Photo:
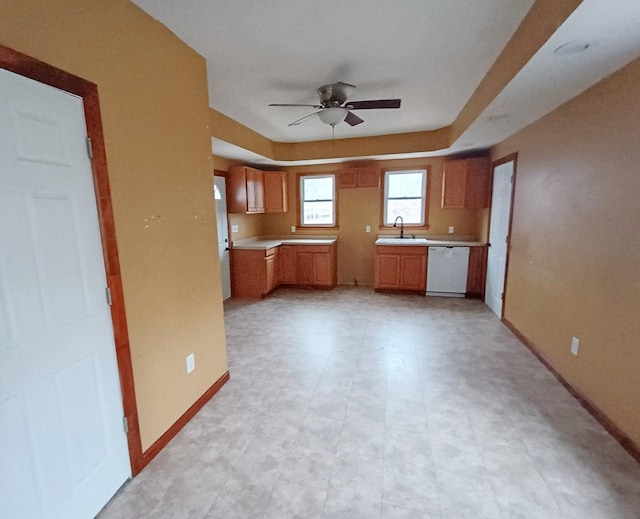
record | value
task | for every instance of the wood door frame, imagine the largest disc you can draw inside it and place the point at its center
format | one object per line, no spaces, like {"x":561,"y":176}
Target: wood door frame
{"x":225,"y":175}
{"x":512,"y":157}
{"x":32,"y":68}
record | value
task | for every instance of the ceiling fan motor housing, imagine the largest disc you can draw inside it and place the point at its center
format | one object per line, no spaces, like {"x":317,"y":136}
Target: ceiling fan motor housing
{"x":334,"y":94}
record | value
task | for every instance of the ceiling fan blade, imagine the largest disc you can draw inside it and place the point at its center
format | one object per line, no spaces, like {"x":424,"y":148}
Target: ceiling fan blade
{"x":287,"y":104}
{"x":374,"y":104}
{"x":352,"y":119}
{"x":303,"y":119}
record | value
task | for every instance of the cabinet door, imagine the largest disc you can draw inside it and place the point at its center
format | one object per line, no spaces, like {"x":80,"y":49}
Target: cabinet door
{"x":387,"y":273}
{"x":275,"y":191}
{"x":270,"y":268}
{"x":286,"y":265}
{"x":347,"y":179}
{"x":477,"y":272}
{"x":304,"y":268}
{"x":413,"y":272}
{"x":477,"y":183}
{"x":237,"y":190}
{"x":255,"y":195}
{"x":322,"y":269}
{"x":368,"y":177}
{"x":454,"y":178}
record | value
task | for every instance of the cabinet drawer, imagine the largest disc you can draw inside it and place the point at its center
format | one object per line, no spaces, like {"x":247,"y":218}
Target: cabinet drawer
{"x":312,"y":248}
{"x":404,"y":250}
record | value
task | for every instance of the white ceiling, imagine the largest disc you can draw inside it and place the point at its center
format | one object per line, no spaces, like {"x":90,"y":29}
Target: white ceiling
{"x":430,"y":53}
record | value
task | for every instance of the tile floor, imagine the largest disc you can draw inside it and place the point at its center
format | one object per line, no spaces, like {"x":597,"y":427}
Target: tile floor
{"x":351,"y":404}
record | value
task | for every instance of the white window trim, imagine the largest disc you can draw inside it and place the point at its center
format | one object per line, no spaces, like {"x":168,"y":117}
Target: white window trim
{"x":423,"y":209}
{"x":302,"y":200}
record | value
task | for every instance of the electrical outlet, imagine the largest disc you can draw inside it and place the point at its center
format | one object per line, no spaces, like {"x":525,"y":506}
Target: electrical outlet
{"x":293,"y":228}
{"x":367,"y":228}
{"x":234,"y":229}
{"x":191,"y":363}
{"x":451,"y":229}
{"x":575,"y":345}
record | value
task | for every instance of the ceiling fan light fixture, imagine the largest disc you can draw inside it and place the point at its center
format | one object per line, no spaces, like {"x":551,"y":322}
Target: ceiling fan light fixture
{"x":333,"y":115}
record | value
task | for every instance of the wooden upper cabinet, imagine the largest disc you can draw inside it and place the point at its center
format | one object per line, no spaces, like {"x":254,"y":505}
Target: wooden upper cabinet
{"x":478,"y":183}
{"x":245,"y":190}
{"x":454,"y":181}
{"x":465,"y":183}
{"x":275,"y":191}
{"x":358,"y":177}
{"x":255,"y":191}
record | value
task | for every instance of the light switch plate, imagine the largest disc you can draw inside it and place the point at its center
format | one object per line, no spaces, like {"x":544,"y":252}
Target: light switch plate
{"x":367,"y":228}
{"x":234,"y":229}
{"x":575,"y":345}
{"x":191,"y":363}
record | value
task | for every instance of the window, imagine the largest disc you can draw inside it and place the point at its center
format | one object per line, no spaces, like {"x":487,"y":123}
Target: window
{"x":405,"y":195}
{"x":317,"y":201}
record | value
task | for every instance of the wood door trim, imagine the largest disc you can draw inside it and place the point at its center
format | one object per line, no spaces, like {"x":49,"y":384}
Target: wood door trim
{"x":513,"y":157}
{"x":29,"y":67}
{"x":627,"y":443}
{"x":161,"y":442}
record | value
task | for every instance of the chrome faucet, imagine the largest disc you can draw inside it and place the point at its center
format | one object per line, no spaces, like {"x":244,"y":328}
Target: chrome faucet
{"x":395,"y":224}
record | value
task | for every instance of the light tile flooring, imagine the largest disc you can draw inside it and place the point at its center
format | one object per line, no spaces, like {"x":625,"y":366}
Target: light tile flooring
{"x":351,"y":404}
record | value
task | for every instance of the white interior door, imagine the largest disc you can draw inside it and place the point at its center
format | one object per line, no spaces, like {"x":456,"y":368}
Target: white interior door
{"x":63,"y":450}
{"x":498,"y":235}
{"x":220,"y":195}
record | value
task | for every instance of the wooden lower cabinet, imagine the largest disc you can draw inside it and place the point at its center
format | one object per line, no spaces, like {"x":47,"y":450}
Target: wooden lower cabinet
{"x":315,"y":265}
{"x":256,"y":272}
{"x":286,"y":265}
{"x":253,"y":272}
{"x":477,"y":273}
{"x":401,"y":268}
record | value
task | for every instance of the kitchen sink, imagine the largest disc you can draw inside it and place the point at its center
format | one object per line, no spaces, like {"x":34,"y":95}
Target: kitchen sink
{"x":396,"y":240}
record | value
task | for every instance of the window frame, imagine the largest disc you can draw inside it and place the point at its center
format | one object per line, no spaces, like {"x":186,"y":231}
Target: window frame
{"x":301,"y":201}
{"x":425,"y":196}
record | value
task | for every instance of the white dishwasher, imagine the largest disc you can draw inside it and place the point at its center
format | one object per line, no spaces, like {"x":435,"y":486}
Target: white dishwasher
{"x":447,"y":271}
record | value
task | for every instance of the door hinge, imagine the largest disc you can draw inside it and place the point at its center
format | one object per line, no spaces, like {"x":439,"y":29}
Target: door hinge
{"x":125,"y":424}
{"x":89,"y":148}
{"x":108,"y":292}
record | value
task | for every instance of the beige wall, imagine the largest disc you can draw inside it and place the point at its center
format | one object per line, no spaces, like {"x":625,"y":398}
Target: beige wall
{"x":360,"y":207}
{"x":574,"y":268}
{"x":154,"y":103}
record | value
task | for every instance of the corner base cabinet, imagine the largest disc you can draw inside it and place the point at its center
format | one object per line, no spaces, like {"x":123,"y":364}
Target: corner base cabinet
{"x":401,"y":268}
{"x":256,"y":272}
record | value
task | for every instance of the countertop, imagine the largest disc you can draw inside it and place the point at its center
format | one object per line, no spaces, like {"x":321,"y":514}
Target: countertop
{"x":426,"y":241}
{"x":268,"y":242}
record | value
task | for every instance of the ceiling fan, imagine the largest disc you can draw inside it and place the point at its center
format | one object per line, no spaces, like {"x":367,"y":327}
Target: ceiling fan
{"x":334,"y":108}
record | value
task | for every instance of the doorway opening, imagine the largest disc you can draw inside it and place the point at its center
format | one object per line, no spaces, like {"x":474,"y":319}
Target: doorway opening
{"x":504,"y":173}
